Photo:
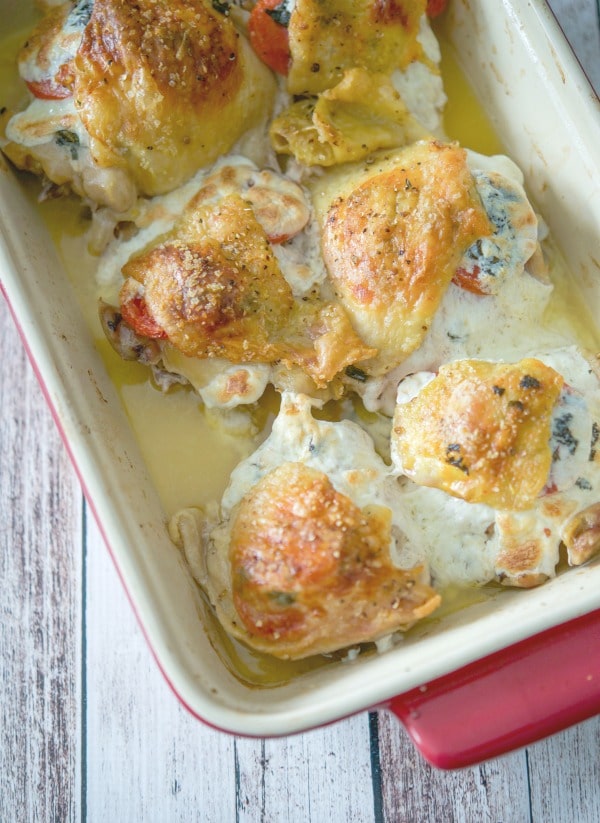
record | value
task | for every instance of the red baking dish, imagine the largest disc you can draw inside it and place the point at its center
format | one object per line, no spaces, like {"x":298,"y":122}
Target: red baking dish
{"x":494,"y":675}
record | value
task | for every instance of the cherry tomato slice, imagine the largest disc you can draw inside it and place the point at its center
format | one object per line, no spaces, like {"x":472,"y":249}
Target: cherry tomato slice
{"x":135,"y":313}
{"x":268,"y":38}
{"x":435,"y":7}
{"x":468,"y":280}
{"x":48,"y":89}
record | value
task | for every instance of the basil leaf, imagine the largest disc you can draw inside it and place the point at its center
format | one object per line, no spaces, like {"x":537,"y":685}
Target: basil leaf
{"x":281,"y":14}
{"x":357,"y":374}
{"x":223,"y":8}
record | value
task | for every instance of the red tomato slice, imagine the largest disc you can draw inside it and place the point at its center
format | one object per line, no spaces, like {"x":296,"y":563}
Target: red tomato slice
{"x":48,"y":89}
{"x":135,"y":313}
{"x":468,"y":280}
{"x":436,"y":7}
{"x":268,"y":38}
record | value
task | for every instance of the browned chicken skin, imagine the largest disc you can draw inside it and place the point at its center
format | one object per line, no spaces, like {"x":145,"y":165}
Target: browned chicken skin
{"x":311,"y":571}
{"x":392,"y":245}
{"x":215,"y":288}
{"x":481,"y":431}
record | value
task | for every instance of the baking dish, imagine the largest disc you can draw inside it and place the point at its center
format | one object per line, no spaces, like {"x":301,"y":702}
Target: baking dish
{"x":547,"y":118}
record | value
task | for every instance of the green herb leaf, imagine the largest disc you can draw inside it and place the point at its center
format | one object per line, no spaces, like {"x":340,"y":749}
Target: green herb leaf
{"x":223,"y":8}
{"x":281,"y":14}
{"x":357,"y":374}
{"x":283,"y":598}
{"x":68,"y":139}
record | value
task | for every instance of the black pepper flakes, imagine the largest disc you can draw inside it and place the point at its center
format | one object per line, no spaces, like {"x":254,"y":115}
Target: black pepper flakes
{"x":529,"y":382}
{"x":595,"y":436}
{"x":453,"y":458}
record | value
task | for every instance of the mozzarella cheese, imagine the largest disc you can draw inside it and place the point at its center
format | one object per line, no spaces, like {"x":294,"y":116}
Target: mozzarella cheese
{"x":375,"y":259}
{"x":471,"y":543}
{"x":147,"y":96}
{"x":303,"y":557}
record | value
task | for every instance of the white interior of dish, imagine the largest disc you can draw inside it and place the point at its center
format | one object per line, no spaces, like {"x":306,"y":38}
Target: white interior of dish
{"x":549,"y":120}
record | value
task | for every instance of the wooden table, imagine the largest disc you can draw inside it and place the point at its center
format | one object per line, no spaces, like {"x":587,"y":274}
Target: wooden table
{"x":90,"y":730}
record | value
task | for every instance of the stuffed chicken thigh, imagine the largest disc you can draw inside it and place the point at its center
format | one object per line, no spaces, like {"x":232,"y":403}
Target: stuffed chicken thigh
{"x":131,"y":99}
{"x":303,"y":555}
{"x":502,"y":464}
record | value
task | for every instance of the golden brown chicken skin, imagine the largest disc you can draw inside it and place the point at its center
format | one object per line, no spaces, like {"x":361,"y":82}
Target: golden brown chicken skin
{"x":311,"y":572}
{"x":481,"y":431}
{"x":165,"y":88}
{"x":392,"y":244}
{"x":214,"y":288}
{"x":327,"y":38}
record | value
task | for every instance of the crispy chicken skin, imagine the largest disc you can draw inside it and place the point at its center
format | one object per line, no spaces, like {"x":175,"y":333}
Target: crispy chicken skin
{"x":392,"y":244}
{"x":206,"y":285}
{"x":327,"y":38}
{"x":165,"y":88}
{"x":311,"y":571}
{"x":135,"y":98}
{"x":215,"y":289}
{"x":481,"y":431}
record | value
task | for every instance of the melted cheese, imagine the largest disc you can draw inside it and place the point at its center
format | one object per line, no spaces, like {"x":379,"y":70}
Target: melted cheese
{"x":473,"y":543}
{"x":153,"y":96}
{"x":283,"y":571}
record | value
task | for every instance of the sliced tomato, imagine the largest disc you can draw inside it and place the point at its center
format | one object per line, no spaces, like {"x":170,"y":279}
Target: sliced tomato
{"x":268,"y":38}
{"x":54,"y":88}
{"x":48,"y":89}
{"x":468,"y":280}
{"x":435,"y":7}
{"x":134,"y":312}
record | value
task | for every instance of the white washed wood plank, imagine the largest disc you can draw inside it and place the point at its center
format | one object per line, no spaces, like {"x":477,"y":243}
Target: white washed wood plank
{"x":580,"y":23}
{"x":40,"y":627}
{"x":147,"y":758}
{"x":413,"y":790}
{"x":321,"y":775}
{"x":564,"y":770}
{"x":565,"y":775}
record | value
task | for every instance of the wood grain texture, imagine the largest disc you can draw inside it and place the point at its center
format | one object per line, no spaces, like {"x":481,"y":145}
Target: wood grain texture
{"x":189,"y":771}
{"x":579,"y":20}
{"x":411,"y":785}
{"x":565,"y":775}
{"x":40,"y":580}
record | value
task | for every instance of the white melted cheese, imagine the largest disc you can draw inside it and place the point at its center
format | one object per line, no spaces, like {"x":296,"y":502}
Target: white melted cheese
{"x":501,"y":325}
{"x":42,"y":119}
{"x":299,"y":259}
{"x":461,"y":541}
{"x":421,"y":88}
{"x":341,"y":450}
{"x":61,"y":50}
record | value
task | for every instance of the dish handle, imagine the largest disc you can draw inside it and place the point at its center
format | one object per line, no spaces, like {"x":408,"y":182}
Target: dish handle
{"x":509,"y":699}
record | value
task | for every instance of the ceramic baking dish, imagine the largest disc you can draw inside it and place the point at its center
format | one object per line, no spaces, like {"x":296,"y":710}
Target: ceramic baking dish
{"x":491,"y":676}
